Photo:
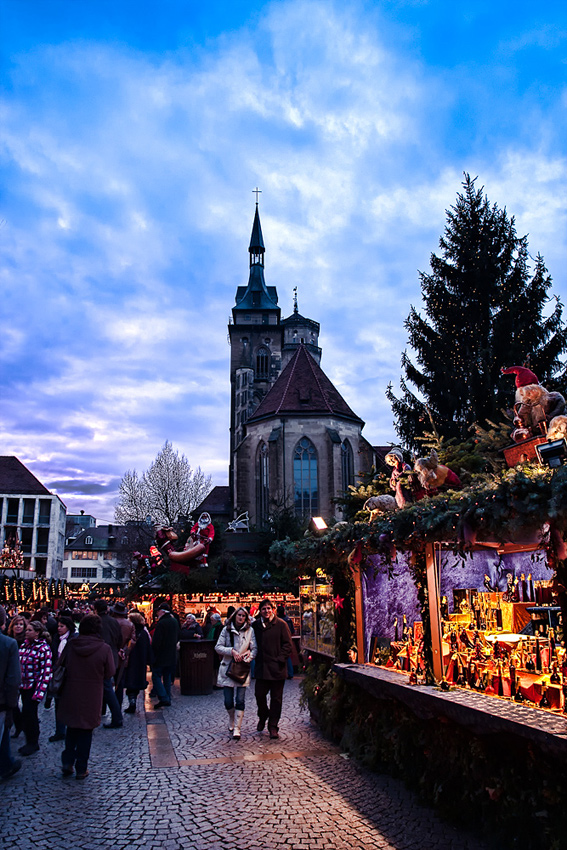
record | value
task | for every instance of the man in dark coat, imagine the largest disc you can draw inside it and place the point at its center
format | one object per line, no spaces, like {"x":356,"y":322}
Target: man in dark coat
{"x":88,"y":664}
{"x":10,"y":679}
{"x":164,"y":654}
{"x":274,"y":648}
{"x":111,"y":635}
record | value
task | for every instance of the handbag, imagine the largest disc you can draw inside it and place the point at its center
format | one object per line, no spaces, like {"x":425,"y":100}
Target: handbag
{"x":238,"y":671}
{"x":57,"y":680}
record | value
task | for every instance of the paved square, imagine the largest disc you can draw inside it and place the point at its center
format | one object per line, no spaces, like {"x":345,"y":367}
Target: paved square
{"x":175,"y":780}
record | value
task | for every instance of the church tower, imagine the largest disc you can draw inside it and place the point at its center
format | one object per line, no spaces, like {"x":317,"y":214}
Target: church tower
{"x":255,"y":343}
{"x":294,"y":441}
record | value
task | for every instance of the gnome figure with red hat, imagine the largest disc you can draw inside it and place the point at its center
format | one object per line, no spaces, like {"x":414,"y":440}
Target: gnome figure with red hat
{"x":535,"y":407}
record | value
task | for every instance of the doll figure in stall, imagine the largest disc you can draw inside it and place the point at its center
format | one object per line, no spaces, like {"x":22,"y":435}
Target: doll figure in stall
{"x":434,"y":477}
{"x":197,"y":546}
{"x":478,"y":653}
{"x":400,"y":479}
{"x":510,"y":592}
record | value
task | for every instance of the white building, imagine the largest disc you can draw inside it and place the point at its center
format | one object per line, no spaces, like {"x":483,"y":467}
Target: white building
{"x":98,"y":555}
{"x":34,"y":516}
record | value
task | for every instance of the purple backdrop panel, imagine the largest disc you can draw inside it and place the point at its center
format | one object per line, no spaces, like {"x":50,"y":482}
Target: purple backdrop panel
{"x":470,"y":573}
{"x":386,"y":598}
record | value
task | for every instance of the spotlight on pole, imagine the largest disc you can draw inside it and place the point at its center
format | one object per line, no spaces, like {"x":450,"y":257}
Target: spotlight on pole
{"x":552,"y":454}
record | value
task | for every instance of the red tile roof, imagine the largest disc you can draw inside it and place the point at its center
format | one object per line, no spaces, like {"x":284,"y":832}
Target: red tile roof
{"x":303,"y":389}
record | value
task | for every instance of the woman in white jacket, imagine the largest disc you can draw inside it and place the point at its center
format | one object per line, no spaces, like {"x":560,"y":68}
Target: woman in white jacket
{"x":236,"y":641}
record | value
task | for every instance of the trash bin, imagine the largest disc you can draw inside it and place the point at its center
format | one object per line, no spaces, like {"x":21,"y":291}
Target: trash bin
{"x":196,"y":667}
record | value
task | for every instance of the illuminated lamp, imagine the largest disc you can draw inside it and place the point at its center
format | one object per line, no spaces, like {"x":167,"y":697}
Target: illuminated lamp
{"x":317,"y":525}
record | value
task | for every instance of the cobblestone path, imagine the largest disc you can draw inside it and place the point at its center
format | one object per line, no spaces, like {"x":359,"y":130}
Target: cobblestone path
{"x":174,"y":779}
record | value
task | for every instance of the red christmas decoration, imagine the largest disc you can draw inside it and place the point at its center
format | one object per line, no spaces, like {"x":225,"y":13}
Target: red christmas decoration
{"x":339,"y":602}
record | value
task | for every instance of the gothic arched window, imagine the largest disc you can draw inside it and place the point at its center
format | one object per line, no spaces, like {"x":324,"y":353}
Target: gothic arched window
{"x":262,"y":485}
{"x":262,"y":364}
{"x":347,"y":464}
{"x":306,"y":491}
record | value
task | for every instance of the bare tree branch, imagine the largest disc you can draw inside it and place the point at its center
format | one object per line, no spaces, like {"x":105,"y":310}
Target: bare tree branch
{"x":168,"y":489}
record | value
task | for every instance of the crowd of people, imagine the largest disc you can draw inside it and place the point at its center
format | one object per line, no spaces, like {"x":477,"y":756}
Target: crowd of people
{"x":86,"y":658}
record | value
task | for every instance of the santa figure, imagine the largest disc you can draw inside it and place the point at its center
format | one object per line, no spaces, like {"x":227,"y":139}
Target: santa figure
{"x":535,"y":407}
{"x":197,"y":547}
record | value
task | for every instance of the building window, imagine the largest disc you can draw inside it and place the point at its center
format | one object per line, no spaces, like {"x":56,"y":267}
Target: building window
{"x":262,"y":364}
{"x":29,"y":512}
{"x":107,"y":572}
{"x":42,"y":541}
{"x":44,"y":512}
{"x":347,"y":465}
{"x":306,"y":493}
{"x":84,"y":554}
{"x":26,"y":538}
{"x":41,"y":566}
{"x":83,"y":572}
{"x":12,"y":513}
{"x":262,"y":485}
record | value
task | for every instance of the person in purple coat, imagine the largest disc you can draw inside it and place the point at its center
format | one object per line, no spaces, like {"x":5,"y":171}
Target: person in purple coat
{"x":88,"y":663}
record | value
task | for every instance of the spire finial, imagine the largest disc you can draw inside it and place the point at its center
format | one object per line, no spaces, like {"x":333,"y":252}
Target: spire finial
{"x":295,"y":309}
{"x":258,"y":192}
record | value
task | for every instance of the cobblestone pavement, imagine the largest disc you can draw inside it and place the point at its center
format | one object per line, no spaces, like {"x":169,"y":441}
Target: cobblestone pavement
{"x":175,"y":779}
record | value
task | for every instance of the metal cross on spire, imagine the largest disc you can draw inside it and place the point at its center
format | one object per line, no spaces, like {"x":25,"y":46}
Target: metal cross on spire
{"x":258,"y":192}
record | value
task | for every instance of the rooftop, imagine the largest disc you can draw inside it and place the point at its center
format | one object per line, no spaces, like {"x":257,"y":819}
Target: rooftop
{"x":303,"y":389}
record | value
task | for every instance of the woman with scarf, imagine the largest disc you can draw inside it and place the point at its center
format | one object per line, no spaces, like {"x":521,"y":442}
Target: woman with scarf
{"x":236,"y":642}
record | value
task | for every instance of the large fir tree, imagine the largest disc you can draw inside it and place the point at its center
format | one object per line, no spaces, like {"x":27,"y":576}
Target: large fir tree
{"x":484,"y":309}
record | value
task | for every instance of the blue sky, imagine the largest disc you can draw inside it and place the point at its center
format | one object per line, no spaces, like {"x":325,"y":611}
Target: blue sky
{"x":131,"y":138}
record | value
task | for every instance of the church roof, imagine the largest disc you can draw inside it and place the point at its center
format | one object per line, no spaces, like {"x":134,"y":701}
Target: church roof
{"x":297,"y":319}
{"x":256,"y":239}
{"x":16,"y":478}
{"x":303,"y":389}
{"x":256,"y":295}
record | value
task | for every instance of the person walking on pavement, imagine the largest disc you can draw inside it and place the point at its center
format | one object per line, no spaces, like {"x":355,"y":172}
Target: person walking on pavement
{"x":10,"y":678}
{"x":237,"y":642}
{"x":111,"y":635}
{"x":274,"y":647}
{"x":89,"y":663}
{"x":139,"y":658}
{"x":164,"y":654}
{"x":66,"y":631}
{"x":119,"y":612}
{"x":35,"y":661}
{"x":17,"y":630}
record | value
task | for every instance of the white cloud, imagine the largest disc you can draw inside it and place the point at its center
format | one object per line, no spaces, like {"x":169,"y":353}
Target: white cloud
{"x":130,"y":210}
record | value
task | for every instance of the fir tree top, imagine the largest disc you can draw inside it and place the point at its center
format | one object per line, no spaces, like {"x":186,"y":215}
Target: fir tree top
{"x":484,"y":308}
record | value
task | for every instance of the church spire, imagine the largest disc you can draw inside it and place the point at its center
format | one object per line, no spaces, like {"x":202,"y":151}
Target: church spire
{"x":256,"y":248}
